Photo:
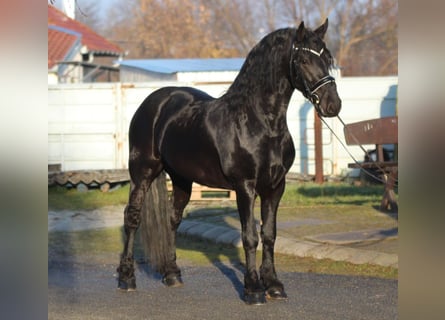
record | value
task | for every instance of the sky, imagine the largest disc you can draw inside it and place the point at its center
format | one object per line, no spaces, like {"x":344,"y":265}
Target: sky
{"x":104,"y":5}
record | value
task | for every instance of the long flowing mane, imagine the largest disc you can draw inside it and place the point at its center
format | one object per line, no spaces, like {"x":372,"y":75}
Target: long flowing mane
{"x":268,"y":63}
{"x":265,"y":64}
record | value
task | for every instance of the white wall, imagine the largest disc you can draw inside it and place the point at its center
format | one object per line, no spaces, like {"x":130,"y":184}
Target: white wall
{"x":216,"y":76}
{"x":88,"y":123}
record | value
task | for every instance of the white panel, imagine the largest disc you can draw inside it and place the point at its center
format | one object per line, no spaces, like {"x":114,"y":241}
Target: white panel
{"x":88,"y":123}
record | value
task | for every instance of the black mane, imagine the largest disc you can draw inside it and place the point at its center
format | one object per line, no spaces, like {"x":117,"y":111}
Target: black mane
{"x":267,"y":63}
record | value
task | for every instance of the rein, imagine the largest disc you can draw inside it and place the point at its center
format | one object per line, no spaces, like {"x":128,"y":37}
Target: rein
{"x":310,"y":94}
{"x":350,"y":154}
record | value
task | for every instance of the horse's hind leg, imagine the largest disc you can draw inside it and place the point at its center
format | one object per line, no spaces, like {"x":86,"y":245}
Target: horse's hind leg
{"x":181,"y":196}
{"x":253,"y":288}
{"x":141,"y":177}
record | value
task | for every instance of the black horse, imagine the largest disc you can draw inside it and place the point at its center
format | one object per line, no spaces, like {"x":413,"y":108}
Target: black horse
{"x":239,"y":141}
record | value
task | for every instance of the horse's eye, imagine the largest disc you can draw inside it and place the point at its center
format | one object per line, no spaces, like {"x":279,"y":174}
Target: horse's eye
{"x":304,"y":61}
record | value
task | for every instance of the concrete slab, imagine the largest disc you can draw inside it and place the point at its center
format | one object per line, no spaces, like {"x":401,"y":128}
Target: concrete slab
{"x":301,"y":222}
{"x":187,"y":224}
{"x":228,"y":237}
{"x":297,"y":248}
{"x":362,"y":256}
{"x":237,"y":242}
{"x":321,"y":251}
{"x":386,"y":260}
{"x":343,"y":238}
{"x":215,"y":232}
{"x":340,"y":253}
{"x":198,"y":229}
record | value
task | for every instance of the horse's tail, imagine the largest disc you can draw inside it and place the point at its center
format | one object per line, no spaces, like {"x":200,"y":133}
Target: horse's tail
{"x":156,"y":230}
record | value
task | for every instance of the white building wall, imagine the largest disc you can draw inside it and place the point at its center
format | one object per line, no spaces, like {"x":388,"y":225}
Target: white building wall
{"x":88,"y":123}
{"x":207,"y":77}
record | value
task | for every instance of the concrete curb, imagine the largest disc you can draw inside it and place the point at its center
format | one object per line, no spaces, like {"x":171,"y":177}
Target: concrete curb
{"x":112,"y":217}
{"x":303,"y":249}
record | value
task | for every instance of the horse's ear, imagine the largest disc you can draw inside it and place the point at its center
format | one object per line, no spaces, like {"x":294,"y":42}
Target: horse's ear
{"x":321,"y":30}
{"x":300,"y":32}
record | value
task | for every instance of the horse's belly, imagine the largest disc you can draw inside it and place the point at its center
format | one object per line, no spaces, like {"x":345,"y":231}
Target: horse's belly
{"x":194,"y":159}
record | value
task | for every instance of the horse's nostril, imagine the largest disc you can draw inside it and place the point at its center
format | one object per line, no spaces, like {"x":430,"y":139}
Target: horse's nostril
{"x":333,"y":108}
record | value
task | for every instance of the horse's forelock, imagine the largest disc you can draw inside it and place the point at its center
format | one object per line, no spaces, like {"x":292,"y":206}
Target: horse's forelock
{"x":327,"y":56}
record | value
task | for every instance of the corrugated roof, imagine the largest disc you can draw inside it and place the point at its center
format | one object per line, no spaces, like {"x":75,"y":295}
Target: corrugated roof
{"x":170,"y":66}
{"x":93,"y":42}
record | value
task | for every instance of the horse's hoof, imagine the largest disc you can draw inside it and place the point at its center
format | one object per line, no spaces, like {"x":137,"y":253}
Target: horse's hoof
{"x":126,"y":286}
{"x":276,"y":294}
{"x":254,"y":298}
{"x":173,"y":281}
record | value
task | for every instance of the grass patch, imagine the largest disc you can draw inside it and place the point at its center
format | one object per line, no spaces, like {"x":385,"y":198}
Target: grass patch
{"x":291,"y":263}
{"x":85,"y":242}
{"x":296,"y":194}
{"x":331,"y":193}
{"x":62,"y":198}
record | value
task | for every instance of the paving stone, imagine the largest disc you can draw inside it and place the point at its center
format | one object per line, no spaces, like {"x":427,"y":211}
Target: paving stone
{"x":362,"y":256}
{"x":343,"y":238}
{"x":215,"y":232}
{"x":198,"y":229}
{"x":187,"y":224}
{"x":228,"y":237}
{"x":386,"y":259}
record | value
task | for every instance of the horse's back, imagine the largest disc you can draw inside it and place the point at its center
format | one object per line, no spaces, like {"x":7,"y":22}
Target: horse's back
{"x":150,"y":111}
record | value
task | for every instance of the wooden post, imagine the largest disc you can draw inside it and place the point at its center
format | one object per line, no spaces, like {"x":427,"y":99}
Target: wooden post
{"x":318,"y":149}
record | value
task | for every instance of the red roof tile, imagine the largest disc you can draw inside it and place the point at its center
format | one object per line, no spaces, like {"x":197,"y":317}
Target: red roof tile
{"x":60,"y":43}
{"x":94,"y":42}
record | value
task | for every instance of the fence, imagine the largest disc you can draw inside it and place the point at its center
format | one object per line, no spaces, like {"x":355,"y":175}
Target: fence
{"x":88,"y":123}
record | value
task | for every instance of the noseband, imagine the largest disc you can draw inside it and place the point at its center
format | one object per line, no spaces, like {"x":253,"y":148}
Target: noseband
{"x":309,"y":91}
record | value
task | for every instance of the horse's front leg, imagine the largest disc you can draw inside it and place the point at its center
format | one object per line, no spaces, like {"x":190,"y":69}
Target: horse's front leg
{"x":269,"y":207}
{"x":253,"y":288}
{"x":181,"y":196}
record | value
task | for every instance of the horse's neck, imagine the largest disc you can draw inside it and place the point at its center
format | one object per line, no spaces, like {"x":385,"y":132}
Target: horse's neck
{"x":263,"y":83}
{"x":266,"y":96}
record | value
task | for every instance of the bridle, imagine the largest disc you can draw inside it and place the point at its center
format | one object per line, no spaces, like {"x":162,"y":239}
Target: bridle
{"x":309,"y":92}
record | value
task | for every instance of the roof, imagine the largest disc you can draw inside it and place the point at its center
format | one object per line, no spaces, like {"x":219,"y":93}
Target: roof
{"x":170,"y":66}
{"x":90,"y":39}
{"x":61,"y":42}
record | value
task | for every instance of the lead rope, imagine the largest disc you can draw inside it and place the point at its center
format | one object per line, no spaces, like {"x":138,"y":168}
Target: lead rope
{"x":350,"y":154}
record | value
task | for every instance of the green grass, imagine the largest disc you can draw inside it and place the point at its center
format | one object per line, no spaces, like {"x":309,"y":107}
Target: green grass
{"x":61,"y":198}
{"x":296,"y":194}
{"x":331,"y":194}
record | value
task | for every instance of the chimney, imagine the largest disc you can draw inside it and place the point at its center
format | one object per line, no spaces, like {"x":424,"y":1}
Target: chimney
{"x":68,"y":7}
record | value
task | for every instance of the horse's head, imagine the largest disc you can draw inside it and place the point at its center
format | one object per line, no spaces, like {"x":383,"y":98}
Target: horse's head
{"x":309,"y":70}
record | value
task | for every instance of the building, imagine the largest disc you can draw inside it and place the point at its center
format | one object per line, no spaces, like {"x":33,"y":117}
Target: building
{"x":78,"y":54}
{"x":180,"y":70}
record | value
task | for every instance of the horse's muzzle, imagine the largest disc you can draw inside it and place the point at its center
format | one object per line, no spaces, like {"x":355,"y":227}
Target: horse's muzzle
{"x":330,"y":108}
